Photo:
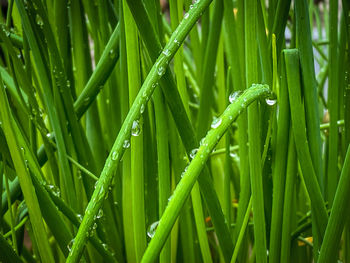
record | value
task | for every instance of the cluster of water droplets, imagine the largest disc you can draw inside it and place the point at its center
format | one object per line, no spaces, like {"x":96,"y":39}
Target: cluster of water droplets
{"x":166,"y":52}
{"x":55,"y":190}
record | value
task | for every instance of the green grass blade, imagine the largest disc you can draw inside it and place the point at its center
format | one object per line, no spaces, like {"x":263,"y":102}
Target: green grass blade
{"x":49,"y":100}
{"x":304,"y":44}
{"x":24,"y":178}
{"x":7,"y":253}
{"x":279,"y":169}
{"x":291,"y":172}
{"x":193,"y":170}
{"x":241,"y":232}
{"x":333,"y":103}
{"x":137,"y":176}
{"x":179,"y":113}
{"x":299,"y":127}
{"x":207,"y":78}
{"x":330,"y":245}
{"x":250,"y":14}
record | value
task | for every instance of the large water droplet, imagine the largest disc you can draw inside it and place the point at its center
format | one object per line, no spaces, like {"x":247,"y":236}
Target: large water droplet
{"x":126,"y":144}
{"x":193,"y":153}
{"x":135,"y":129}
{"x":270,"y":101}
{"x":233,"y":96}
{"x":152,"y":229}
{"x":114,"y":155}
{"x":216,"y":122}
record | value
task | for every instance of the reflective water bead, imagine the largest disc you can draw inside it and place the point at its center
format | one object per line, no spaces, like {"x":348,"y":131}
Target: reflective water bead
{"x":152,"y":229}
{"x":126,"y":144}
{"x":142,"y":109}
{"x":216,"y":122}
{"x":233,"y":96}
{"x":135,"y":129}
{"x":270,"y":101}
{"x":193,"y":153}
{"x":114,"y":155}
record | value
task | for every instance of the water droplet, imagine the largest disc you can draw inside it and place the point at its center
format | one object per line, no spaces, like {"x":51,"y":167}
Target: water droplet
{"x":177,"y":42}
{"x":114,"y":155}
{"x":203,"y":142}
{"x":186,"y":16}
{"x":152,"y":229}
{"x":23,"y":150}
{"x":55,"y":190}
{"x":270,"y":101}
{"x":216,"y":122}
{"x":99,"y":214}
{"x":142,"y":109}
{"x":126,"y":144}
{"x":111,"y":53}
{"x":86,"y":101}
{"x":233,"y":96}
{"x":193,"y":153}
{"x":160,"y":70}
{"x":39,"y":20}
{"x":70,"y":245}
{"x":233,"y":155}
{"x":135,"y":129}
{"x":191,"y":6}
{"x":166,"y":52}
{"x":170,"y":197}
{"x":48,"y":135}
{"x":80,"y":217}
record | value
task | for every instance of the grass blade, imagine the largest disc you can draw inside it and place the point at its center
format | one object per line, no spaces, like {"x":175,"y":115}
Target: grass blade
{"x":190,"y":175}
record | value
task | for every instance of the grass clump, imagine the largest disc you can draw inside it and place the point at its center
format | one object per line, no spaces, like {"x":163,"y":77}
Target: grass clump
{"x":197,"y":131}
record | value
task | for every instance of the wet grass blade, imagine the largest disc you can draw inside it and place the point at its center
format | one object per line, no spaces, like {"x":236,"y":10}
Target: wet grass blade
{"x":329,"y":248}
{"x":24,"y":179}
{"x":192,"y":172}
